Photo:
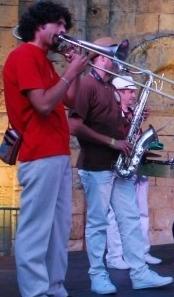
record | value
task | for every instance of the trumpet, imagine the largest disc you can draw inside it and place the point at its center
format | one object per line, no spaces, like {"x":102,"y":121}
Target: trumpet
{"x":118,"y":53}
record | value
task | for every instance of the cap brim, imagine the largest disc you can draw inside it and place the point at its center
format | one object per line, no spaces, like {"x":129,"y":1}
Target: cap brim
{"x":126,"y":87}
{"x":132,"y":88}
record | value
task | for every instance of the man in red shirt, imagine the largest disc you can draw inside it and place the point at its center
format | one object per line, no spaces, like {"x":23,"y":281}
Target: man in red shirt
{"x":35,"y":96}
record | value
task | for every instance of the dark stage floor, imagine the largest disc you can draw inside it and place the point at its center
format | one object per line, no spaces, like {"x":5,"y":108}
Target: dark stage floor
{"x":77,"y":278}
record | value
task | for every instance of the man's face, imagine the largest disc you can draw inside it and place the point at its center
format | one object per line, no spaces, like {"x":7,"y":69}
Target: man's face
{"x":128,"y":97}
{"x":109,"y":64}
{"x":48,"y":31}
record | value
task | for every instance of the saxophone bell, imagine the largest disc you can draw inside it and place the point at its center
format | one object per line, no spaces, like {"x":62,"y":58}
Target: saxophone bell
{"x":125,"y":166}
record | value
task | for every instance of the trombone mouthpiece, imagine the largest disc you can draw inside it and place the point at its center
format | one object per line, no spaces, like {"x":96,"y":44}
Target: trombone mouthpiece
{"x":62,"y":42}
{"x":57,"y":39}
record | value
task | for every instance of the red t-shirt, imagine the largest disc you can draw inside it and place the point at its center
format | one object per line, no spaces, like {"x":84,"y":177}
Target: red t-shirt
{"x":27,"y":67}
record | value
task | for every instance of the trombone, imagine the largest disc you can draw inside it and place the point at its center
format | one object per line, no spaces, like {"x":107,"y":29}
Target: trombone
{"x":118,"y":53}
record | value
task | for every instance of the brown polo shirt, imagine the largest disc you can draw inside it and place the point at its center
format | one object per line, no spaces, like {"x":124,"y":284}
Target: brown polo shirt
{"x":97,"y":106}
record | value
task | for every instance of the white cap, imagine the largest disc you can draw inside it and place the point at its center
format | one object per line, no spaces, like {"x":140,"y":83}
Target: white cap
{"x":122,"y":83}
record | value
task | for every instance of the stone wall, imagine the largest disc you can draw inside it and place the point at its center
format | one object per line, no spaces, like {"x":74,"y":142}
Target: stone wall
{"x":149,"y":27}
{"x":9,"y":189}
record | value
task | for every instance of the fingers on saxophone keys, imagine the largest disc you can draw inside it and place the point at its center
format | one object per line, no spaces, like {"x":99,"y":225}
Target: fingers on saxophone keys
{"x":127,"y":148}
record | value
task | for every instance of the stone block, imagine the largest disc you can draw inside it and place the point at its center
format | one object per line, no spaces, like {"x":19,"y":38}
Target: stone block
{"x":163,"y":218}
{"x":160,"y":197}
{"x":166,"y":7}
{"x":98,"y":12}
{"x":12,"y":12}
{"x":151,"y":217}
{"x":16,"y":198}
{"x":168,"y":142}
{"x":5,"y":197}
{"x":1,"y":137}
{"x":76,"y":179}
{"x":157,"y":55}
{"x":155,"y":6}
{"x":152,"y":181}
{"x":78,"y":202}
{"x":144,"y":6}
{"x":165,"y":182}
{"x":122,"y":23}
{"x":79,"y":30}
{"x":5,"y":192}
{"x":166,"y":22}
{"x":3,"y":122}
{"x":76,"y":245}
{"x":146,"y":23}
{"x":98,"y":2}
{"x":161,"y":237}
{"x":172,"y":203}
{"x":158,"y":121}
{"x":94,"y":33}
{"x":74,"y":157}
{"x":126,"y":6}
{"x":6,"y":185}
{"x":77,"y":231}
{"x":6,"y":38}
{"x":154,"y":54}
{"x":6,"y":175}
{"x":166,"y":45}
{"x":2,"y":102}
{"x":78,"y":11}
{"x":9,"y":2}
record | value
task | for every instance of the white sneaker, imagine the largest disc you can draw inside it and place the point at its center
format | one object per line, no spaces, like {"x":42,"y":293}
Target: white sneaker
{"x":151,"y":279}
{"x":152,"y":260}
{"x":118,"y":263}
{"x":101,"y":284}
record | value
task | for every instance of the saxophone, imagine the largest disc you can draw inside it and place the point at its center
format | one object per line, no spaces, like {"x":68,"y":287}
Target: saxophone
{"x":127,"y":166}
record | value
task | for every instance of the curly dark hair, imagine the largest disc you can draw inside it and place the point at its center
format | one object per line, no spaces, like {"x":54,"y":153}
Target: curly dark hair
{"x":41,"y":13}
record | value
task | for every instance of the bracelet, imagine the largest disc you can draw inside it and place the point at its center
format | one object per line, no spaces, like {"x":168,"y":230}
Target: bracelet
{"x":66,"y":81}
{"x":112,"y":142}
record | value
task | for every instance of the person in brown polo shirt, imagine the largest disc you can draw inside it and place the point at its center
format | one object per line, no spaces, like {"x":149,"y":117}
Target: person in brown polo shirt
{"x":97,"y":122}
